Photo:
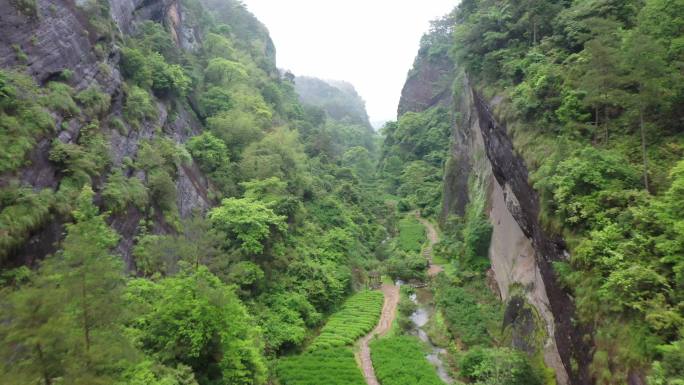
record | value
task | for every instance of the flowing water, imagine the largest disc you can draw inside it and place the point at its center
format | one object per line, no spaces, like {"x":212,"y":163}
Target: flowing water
{"x":420,"y":318}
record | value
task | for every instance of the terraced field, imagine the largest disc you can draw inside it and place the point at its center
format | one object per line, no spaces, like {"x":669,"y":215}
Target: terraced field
{"x":357,"y":317}
{"x":332,"y":366}
{"x":401,"y":361}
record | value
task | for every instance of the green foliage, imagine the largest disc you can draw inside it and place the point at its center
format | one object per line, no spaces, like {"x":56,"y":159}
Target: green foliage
{"x":138,"y":107}
{"x":68,"y":314}
{"x":223,"y":72}
{"x":472,"y":313}
{"x":585,"y":185}
{"x":335,"y":366}
{"x":406,"y":266}
{"x":301,"y":238}
{"x":286,"y":318}
{"x":401,"y":361}
{"x":592,"y":88}
{"x":94,"y":100}
{"x":339,"y":100}
{"x":60,"y":99}
{"x":160,"y":159}
{"x":414,"y":151}
{"x":497,"y":366}
{"x":195,"y":244}
{"x":246,"y":223}
{"x":358,"y":316}
{"x":23,"y":211}
{"x":149,"y":372}
{"x":120,"y":191}
{"x":411,"y":234}
{"x":146,"y":62}
{"x":405,"y":309}
{"x":211,"y":153}
{"x":22,"y":120}
{"x":278,"y":154}
{"x":195,"y":320}
{"x":215,"y":100}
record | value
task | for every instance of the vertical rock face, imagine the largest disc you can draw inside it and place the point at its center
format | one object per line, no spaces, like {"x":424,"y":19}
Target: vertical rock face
{"x":520,"y":252}
{"x":58,"y":36}
{"x":428,"y":84}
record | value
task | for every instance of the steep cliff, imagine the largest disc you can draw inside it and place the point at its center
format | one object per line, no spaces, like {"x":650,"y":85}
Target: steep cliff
{"x":483,"y":161}
{"x":79,"y":44}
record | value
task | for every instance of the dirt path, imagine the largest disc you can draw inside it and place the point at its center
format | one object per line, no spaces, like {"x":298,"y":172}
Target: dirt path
{"x":389,"y":312}
{"x":433,"y":237}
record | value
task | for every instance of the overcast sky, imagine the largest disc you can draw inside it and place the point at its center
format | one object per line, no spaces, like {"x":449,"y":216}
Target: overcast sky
{"x":370,"y":43}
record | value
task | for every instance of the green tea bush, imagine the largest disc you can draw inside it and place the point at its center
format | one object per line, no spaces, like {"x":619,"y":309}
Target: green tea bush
{"x":401,"y":361}
{"x":411,"y":234}
{"x":358,"y":316}
{"x":334,"y":366}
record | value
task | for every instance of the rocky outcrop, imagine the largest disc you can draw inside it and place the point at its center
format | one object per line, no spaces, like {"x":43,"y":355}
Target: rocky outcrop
{"x":428,"y":84}
{"x":60,"y":36}
{"x":540,"y":313}
{"x":521,"y":252}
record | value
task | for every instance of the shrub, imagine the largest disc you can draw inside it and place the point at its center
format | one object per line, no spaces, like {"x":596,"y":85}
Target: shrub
{"x":134,"y":67}
{"x":139,"y":106}
{"x":60,"y":99}
{"x":498,"y":366}
{"x":20,"y":127}
{"x":224,"y":72}
{"x":22,"y":212}
{"x":215,"y":100}
{"x":406,"y":266}
{"x":149,"y":69}
{"x":120,"y":191}
{"x":470,"y":318}
{"x":94,"y":100}
{"x":167,"y":78}
{"x":211,"y":154}
{"x":209,"y":151}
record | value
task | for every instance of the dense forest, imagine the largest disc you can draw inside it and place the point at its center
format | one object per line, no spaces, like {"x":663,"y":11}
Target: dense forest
{"x":175,"y":209}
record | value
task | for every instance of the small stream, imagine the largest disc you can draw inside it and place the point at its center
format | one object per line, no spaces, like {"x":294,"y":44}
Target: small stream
{"x":420,"y":318}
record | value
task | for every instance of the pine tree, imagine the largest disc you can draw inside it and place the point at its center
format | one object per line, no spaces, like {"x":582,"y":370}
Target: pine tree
{"x":91,"y":280}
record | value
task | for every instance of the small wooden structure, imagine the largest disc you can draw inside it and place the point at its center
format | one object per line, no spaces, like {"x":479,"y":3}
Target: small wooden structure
{"x":374,"y":280}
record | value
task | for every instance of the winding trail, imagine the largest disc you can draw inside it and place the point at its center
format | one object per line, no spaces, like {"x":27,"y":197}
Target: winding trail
{"x":433,"y":237}
{"x":389,"y":307}
{"x":389,"y":312}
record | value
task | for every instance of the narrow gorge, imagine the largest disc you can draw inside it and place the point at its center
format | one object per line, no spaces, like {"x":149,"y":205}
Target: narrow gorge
{"x":177,"y":209}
